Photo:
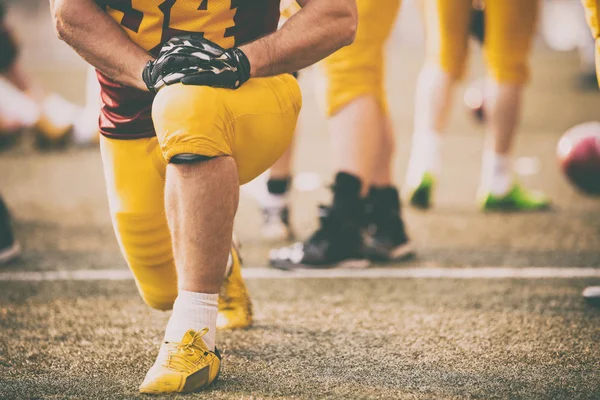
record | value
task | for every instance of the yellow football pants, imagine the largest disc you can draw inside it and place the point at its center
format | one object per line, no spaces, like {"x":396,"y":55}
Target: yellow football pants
{"x":254,"y":124}
{"x":509,"y":29}
{"x":358,"y":70}
{"x":592,"y":13}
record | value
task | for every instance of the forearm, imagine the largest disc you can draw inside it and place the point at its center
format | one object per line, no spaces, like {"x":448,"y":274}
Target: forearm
{"x":319,"y":29}
{"x":100,"y":40}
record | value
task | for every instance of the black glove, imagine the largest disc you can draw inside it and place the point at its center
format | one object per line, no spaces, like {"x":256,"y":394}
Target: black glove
{"x":193,"y":60}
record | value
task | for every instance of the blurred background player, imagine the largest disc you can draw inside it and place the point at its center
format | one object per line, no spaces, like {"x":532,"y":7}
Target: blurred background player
{"x":365,"y":199}
{"x":274,"y":199}
{"x":509,"y":29}
{"x":564,"y":28}
{"x":24,"y":104}
{"x":9,"y":247}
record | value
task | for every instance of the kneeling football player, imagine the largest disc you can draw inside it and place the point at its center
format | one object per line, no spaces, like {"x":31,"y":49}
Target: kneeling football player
{"x":196,"y":101}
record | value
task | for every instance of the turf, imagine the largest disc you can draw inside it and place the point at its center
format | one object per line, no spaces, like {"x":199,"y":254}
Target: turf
{"x":317,"y":339}
{"x":347,"y":339}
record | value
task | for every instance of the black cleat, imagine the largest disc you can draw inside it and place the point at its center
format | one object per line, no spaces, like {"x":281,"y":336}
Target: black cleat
{"x":337,"y":243}
{"x":386,"y":238}
{"x":9,"y":247}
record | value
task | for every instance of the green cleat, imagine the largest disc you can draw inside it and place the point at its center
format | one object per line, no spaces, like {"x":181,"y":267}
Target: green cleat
{"x":420,"y":196}
{"x":517,"y":199}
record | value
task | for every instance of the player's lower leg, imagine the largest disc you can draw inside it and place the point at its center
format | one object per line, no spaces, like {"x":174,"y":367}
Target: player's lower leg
{"x":275,"y":202}
{"x":432,"y":106}
{"x":386,"y":237}
{"x":499,"y":188}
{"x":200,"y":200}
{"x":338,"y":240}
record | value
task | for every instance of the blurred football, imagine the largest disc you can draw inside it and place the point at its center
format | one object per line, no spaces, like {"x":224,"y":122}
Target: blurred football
{"x":579,"y":156}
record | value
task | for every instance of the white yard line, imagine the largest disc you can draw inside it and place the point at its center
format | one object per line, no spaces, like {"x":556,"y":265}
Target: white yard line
{"x":369,"y":273}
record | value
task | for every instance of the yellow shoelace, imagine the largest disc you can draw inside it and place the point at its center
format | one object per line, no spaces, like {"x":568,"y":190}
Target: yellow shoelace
{"x":178,"y":358}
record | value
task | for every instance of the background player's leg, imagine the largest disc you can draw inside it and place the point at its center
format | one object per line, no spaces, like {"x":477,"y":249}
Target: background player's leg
{"x":387,"y":237}
{"x":510,"y":26}
{"x":355,"y":135}
{"x":383,"y":168}
{"x":447,"y":27}
{"x":433,"y":102}
{"x":356,"y":106}
{"x":282,"y":169}
{"x":274,"y":200}
{"x":503,"y":104}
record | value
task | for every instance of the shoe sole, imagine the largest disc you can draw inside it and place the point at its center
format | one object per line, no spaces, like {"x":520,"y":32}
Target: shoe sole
{"x":399,"y":253}
{"x":402,"y":252}
{"x":10,"y":253}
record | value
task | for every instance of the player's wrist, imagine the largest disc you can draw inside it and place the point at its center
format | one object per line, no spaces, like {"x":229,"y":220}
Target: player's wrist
{"x":251,"y":56}
{"x":147,"y":76}
{"x":244,"y":69}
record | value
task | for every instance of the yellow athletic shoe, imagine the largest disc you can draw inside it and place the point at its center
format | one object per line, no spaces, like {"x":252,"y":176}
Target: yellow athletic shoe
{"x":183,"y":367}
{"x":235,"y":307}
{"x":54,"y":127}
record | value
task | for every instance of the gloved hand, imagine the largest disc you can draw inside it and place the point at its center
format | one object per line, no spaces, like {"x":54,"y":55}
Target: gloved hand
{"x":194,"y":60}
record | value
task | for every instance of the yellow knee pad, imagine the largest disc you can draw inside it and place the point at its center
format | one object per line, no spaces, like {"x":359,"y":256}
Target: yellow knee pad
{"x":253,"y":124}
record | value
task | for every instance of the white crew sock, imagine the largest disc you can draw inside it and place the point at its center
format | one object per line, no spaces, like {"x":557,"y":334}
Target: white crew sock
{"x":195,"y":311}
{"x":424,"y":156}
{"x":497,"y":177}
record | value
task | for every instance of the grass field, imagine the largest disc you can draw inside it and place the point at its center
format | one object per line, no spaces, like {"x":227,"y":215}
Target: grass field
{"x":389,"y":335}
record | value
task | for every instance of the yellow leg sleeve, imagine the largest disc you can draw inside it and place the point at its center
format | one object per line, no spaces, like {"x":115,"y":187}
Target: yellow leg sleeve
{"x":253,"y":124}
{"x":358,"y":70}
{"x":510,"y":27}
{"x":135,"y":171}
